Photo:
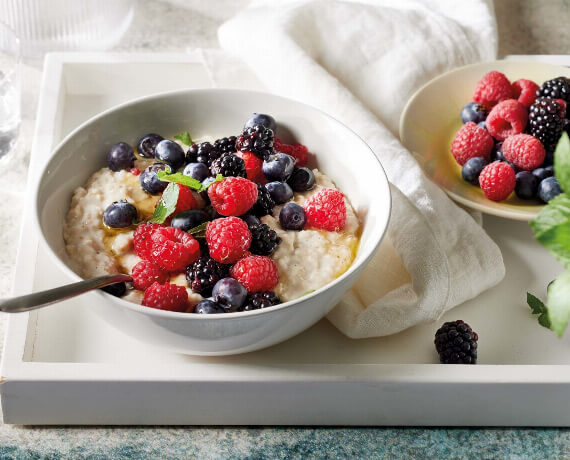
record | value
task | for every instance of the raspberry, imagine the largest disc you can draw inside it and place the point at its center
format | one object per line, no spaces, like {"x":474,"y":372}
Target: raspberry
{"x":471,"y":141}
{"x":166,"y":297}
{"x":252,"y":167}
{"x":326,"y":210}
{"x":497,"y":180}
{"x":135,"y":171}
{"x":256,"y":273}
{"x":233,"y":196}
{"x":173,"y":249}
{"x":186,"y":200}
{"x":228,"y":239}
{"x":562,"y":104}
{"x":145,"y":273}
{"x":524,"y":151}
{"x":493,"y":88}
{"x":142,"y":240}
{"x":297,"y":151}
{"x":506,"y":119}
{"x":524,"y":91}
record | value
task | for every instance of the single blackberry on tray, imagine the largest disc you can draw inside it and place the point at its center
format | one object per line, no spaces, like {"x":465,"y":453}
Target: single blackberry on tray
{"x":557,"y":88}
{"x":203,"y":274}
{"x":226,"y":144}
{"x":204,"y":152}
{"x":256,"y":139}
{"x":456,"y":343}
{"x":545,"y":122}
{"x":257,"y":300}
{"x":228,"y":165}
{"x":264,"y":240}
{"x":264,"y":204}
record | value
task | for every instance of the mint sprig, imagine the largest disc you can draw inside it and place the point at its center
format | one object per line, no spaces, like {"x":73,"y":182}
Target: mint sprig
{"x":188,"y":181}
{"x":199,"y":231}
{"x":184,"y":137}
{"x":166,"y":205}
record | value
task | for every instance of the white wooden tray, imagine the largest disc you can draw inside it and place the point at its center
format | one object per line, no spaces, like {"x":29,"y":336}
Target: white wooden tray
{"x":63,"y":365}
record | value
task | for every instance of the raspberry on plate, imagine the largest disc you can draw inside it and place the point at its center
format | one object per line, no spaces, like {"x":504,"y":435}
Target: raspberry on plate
{"x":252,"y":166}
{"x":145,"y":273}
{"x":471,"y":141}
{"x":493,"y":88}
{"x":228,"y":239}
{"x":524,"y":91}
{"x":141,"y":239}
{"x":497,"y":180}
{"x":524,"y":151}
{"x":233,"y":196}
{"x":186,"y":200}
{"x":256,"y":273}
{"x":166,"y":297}
{"x":297,"y":151}
{"x":173,"y":249}
{"x":507,"y":119}
{"x":326,"y":210}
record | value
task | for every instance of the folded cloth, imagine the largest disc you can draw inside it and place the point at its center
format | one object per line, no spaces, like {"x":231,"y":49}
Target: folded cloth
{"x":360,"y":62}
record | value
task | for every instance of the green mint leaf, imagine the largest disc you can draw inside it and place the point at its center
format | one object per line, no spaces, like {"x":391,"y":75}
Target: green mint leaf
{"x":538,"y":308}
{"x":552,"y":228}
{"x":558,"y":301}
{"x":185,"y":138}
{"x":205,"y":186}
{"x":562,"y":162}
{"x":199,"y":231}
{"x":166,"y":205}
{"x":181,"y":179}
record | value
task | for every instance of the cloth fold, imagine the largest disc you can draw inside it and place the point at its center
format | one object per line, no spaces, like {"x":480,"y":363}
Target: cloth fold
{"x":360,"y":62}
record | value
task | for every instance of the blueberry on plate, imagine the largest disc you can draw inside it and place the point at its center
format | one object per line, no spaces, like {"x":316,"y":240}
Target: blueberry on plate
{"x":548,"y":189}
{"x":261,"y":119}
{"x":278,"y":167}
{"x":147,"y":144}
{"x":543,"y":173}
{"x":302,"y":179}
{"x":250,"y":220}
{"x":149,"y":180}
{"x":170,"y":152}
{"x":186,"y":220}
{"x":208,"y":307}
{"x":497,"y":152}
{"x":292,"y":217}
{"x":121,"y":156}
{"x":474,"y":112}
{"x":120,"y":214}
{"x":198,"y":171}
{"x":280,"y":191}
{"x":229,"y":293}
{"x":472,"y":169}
{"x":526,"y":185}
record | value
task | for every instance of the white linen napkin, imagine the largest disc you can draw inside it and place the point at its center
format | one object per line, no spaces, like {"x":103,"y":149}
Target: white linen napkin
{"x":360,"y":62}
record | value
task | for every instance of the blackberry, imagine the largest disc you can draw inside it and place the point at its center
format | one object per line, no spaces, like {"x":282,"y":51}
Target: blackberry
{"x":264,"y":240}
{"x":202,"y":153}
{"x":557,"y":88}
{"x":456,"y":343}
{"x":228,"y":165}
{"x":257,"y":139}
{"x":226,"y":144}
{"x":257,"y":300}
{"x":203,"y":274}
{"x":545,"y":122}
{"x":264,"y":204}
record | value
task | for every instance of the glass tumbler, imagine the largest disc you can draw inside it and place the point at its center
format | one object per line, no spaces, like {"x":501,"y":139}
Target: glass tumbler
{"x":9,"y":90}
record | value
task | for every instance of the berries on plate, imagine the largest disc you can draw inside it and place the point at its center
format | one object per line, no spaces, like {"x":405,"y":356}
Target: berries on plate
{"x":252,"y":166}
{"x":145,"y":273}
{"x":204,"y":152}
{"x":256,"y":273}
{"x":548,"y":189}
{"x":278,"y":167}
{"x":506,"y":119}
{"x":280,"y":192}
{"x":326,"y":210}
{"x":298,"y":151}
{"x":228,"y":239}
{"x":142,"y":241}
{"x":264,"y":240}
{"x":473,"y":111}
{"x":292,"y":217}
{"x":229,"y":293}
{"x":256,"y":139}
{"x":524,"y":91}
{"x":225,"y":145}
{"x":203,"y":274}
{"x":170,"y":153}
{"x":172,"y":249}
{"x":264,"y":204}
{"x":189,"y":219}
{"x":526,"y":186}
{"x":456,"y":343}
{"x":166,"y":297}
{"x":261,"y":119}
{"x":228,"y":165}
{"x":302,"y":179}
{"x":233,"y":196}
{"x":186,"y":199}
{"x":149,"y":180}
{"x":147,"y":144}
{"x":471,"y":141}
{"x":557,"y":88}
{"x":258,"y":300}
{"x":497,"y":180}
{"x":120,"y":214}
{"x":546,"y":122}
{"x":493,"y":88}
{"x":121,"y":156}
{"x":198,"y":171}
{"x":208,"y":307}
{"x":524,"y":151}
{"x":543,"y":173}
{"x":472,"y":168}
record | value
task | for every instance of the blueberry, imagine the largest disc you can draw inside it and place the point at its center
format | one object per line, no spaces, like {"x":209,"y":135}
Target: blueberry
{"x":120,"y":214}
{"x":472,"y":168}
{"x":548,"y":189}
{"x":150,"y":181}
{"x":147,"y":144}
{"x":473,"y":112}
{"x":186,"y":220}
{"x":482,"y":125}
{"x":205,"y":182}
{"x":250,"y":220}
{"x":261,"y":119}
{"x":497,"y":152}
{"x":302,"y":179}
{"x":198,"y":171}
{"x":229,"y":293}
{"x":207,"y":307}
{"x":278,"y":166}
{"x":543,"y":173}
{"x":292,"y":217}
{"x":117,"y":289}
{"x":170,"y":152}
{"x":279,"y":191}
{"x":121,"y":156}
{"x":526,"y":186}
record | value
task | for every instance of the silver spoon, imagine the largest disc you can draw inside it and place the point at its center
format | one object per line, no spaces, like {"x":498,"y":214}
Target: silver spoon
{"x":45,"y":298}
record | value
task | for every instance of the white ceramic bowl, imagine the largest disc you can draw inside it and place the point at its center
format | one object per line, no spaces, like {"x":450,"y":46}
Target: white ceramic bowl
{"x":209,"y":114}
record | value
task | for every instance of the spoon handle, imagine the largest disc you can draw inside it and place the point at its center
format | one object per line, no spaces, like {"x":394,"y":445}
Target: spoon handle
{"x":45,"y":298}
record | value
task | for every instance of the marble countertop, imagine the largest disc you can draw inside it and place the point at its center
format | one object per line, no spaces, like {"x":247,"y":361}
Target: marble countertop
{"x":525,"y":27}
